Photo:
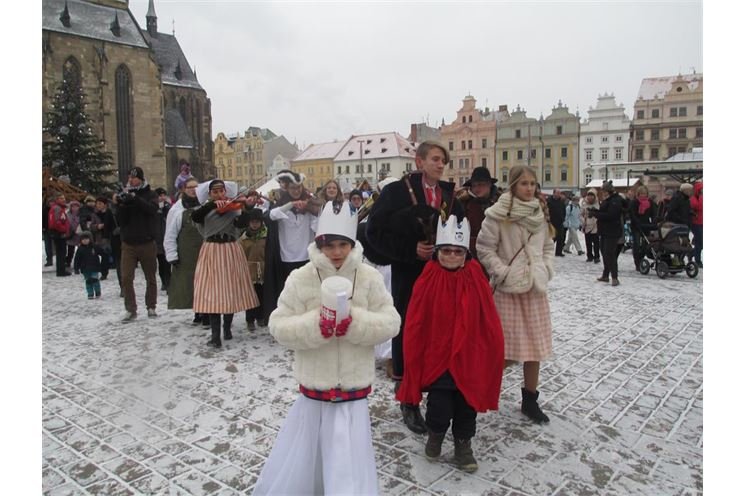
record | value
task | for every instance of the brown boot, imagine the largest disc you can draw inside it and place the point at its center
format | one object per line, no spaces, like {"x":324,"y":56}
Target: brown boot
{"x":464,"y":459}
{"x":433,"y":448}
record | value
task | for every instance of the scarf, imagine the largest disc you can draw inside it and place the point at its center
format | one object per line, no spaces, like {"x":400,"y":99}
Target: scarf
{"x":452,"y":325}
{"x":189,"y":202}
{"x":528,"y":214}
{"x":644,"y":204}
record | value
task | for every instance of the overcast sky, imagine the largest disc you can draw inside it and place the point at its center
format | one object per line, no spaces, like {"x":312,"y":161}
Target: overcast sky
{"x":319,"y":72}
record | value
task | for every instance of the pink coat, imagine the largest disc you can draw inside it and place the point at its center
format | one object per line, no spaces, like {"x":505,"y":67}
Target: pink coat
{"x":697,"y":203}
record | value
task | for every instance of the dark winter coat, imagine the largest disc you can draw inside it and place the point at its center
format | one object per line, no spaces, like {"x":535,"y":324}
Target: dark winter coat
{"x":102,"y":236}
{"x":87,"y":259}
{"x":679,"y":210}
{"x":162,"y":214}
{"x":610,"y":215}
{"x":645,"y":221}
{"x":137,"y":216}
{"x":474,"y":209}
{"x":556,"y":211}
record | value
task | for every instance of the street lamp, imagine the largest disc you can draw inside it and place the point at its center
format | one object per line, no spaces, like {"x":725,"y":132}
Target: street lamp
{"x":362,"y":168}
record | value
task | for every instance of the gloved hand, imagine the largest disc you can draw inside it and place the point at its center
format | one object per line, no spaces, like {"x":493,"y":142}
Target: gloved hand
{"x":343,"y":326}
{"x":174,"y":263}
{"x":327,"y":327}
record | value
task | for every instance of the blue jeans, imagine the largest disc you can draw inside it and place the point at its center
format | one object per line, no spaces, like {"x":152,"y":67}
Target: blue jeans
{"x":698,"y":241}
{"x":92,"y":283}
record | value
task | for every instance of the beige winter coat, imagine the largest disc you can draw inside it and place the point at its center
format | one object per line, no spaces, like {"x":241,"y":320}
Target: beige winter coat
{"x":349,"y":361}
{"x":497,"y":243}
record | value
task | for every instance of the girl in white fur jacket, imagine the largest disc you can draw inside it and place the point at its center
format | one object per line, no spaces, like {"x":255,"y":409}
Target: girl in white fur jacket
{"x":516,"y":249}
{"x":325,"y":444}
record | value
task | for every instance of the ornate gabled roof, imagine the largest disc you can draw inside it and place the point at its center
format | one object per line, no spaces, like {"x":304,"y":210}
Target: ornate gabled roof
{"x":91,"y":20}
{"x":171,"y":59}
{"x":177,"y":134}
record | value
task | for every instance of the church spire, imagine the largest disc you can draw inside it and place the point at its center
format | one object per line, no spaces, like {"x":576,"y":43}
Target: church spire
{"x":151,"y":19}
{"x":114,"y":26}
{"x":65,"y":16}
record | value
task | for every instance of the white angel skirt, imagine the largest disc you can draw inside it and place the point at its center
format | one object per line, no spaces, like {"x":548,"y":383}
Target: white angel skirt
{"x":383,"y":350}
{"x":322,"y":448}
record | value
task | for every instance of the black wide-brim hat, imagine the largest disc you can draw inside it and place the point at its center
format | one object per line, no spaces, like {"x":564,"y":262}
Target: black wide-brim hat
{"x":480,"y":174}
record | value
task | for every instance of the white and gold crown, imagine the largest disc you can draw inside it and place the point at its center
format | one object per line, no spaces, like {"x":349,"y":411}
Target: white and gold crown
{"x":453,"y":232}
{"x":341,"y":223}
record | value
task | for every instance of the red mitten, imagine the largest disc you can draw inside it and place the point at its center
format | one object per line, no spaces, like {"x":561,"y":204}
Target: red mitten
{"x":343,"y":326}
{"x":327,"y":327}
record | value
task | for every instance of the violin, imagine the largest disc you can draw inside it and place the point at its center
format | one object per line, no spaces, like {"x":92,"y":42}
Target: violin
{"x":236,"y":203}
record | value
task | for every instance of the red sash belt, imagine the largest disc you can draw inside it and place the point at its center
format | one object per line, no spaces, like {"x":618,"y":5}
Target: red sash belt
{"x":335,"y":395}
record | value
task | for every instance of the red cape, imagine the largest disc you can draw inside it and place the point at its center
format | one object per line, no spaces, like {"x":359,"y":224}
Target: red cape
{"x":452,"y":324}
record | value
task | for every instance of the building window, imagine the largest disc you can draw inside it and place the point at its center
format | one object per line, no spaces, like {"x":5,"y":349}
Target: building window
{"x":603,"y":154}
{"x":588,"y":140}
{"x":639,"y":154}
{"x":517,"y":133}
{"x":408,"y":166}
{"x":464,"y":119}
{"x":470,"y":118}
{"x":699,"y":132}
{"x":671,"y":152}
{"x":483,"y":142}
{"x":564,"y":152}
{"x":460,"y":163}
{"x":618,"y":153}
{"x":463,"y":145}
{"x":125,"y":146}
{"x":700,"y":110}
{"x":683,"y":112}
{"x":470,"y":145}
{"x":673,"y":134}
{"x":563,"y":175}
{"x":548,"y":152}
{"x":369,"y":167}
{"x":519,"y":154}
{"x":505,"y":156}
{"x":640,"y":114}
{"x":339,"y":170}
{"x":357,"y":168}
{"x":640,"y":134}
{"x":505,"y":173}
{"x":71,"y":72}
{"x":450,"y":146}
{"x":468,"y":163}
{"x":655,"y":135}
{"x":655,"y":113}
{"x":604,"y":139}
{"x":682,"y":132}
{"x":588,"y":177}
{"x":673,"y":111}
{"x":559,"y":129}
{"x":532,"y":153}
{"x":619,"y":138}
{"x":588,"y":154}
{"x":547,"y":175}
{"x":654,"y":154}
{"x":450,"y":164}
{"x":483,"y":162}
{"x":347,"y":169}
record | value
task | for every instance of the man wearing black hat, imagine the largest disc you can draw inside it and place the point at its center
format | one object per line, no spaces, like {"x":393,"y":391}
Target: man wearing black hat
{"x":478,"y":194}
{"x":137,"y":215}
{"x":402,"y":227}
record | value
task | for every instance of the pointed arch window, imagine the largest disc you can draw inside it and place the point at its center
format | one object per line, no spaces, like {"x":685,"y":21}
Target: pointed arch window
{"x":124,"y":119}
{"x":71,"y":71}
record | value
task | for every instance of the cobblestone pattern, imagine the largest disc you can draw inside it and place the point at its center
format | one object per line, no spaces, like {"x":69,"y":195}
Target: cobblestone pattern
{"x":147,"y":408}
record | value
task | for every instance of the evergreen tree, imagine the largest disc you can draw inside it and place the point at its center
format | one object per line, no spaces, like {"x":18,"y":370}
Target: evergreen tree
{"x":74,"y":151}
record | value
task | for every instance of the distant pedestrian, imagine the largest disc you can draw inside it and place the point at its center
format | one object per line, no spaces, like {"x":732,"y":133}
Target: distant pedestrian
{"x":643,"y":214}
{"x":590,"y":225}
{"x":515,"y":247}
{"x":572,"y":225}
{"x":164,"y":267}
{"x":253,"y":242}
{"x":610,"y":227}
{"x":88,"y":262}
{"x":45,"y":232}
{"x":59,"y":229}
{"x":697,"y":223}
{"x":557,"y":211}
{"x":73,"y":231}
{"x":679,"y":209}
{"x":478,"y":194}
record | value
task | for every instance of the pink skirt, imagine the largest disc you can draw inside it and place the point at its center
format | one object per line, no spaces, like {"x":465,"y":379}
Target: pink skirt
{"x":222,"y":281}
{"x":526,"y":322}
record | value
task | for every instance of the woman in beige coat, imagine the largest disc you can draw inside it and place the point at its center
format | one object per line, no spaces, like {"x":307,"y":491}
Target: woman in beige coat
{"x":515,"y":247}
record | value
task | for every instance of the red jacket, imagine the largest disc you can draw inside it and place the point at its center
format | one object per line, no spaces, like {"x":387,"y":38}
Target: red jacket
{"x":697,"y":203}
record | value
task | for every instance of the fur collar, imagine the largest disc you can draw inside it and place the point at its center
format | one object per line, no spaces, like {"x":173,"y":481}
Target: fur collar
{"x":326,"y":269}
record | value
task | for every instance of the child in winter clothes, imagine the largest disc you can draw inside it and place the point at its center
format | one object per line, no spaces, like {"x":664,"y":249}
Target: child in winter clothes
{"x":88,"y":261}
{"x":589,"y":225}
{"x":325,"y":444}
{"x":253,"y":242}
{"x":454,"y":344}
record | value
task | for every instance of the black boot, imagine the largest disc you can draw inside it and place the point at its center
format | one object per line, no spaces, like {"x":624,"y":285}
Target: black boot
{"x":215,"y":324}
{"x":464,"y":458}
{"x":530,"y":407}
{"x":227,"y":323}
{"x":433,"y":448}
{"x":413,"y":418}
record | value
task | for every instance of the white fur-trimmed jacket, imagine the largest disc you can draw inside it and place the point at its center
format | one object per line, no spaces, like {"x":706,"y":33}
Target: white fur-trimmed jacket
{"x":347,"y":362}
{"x":497,"y":243}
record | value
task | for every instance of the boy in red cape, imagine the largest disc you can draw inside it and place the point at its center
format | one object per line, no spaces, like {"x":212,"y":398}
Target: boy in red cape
{"x":454,"y":344}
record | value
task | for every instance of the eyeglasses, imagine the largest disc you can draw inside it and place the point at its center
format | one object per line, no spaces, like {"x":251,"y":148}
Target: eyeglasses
{"x":190,"y":187}
{"x":460,"y":252}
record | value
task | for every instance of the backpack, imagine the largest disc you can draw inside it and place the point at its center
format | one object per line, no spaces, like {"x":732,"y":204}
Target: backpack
{"x":60,"y":225}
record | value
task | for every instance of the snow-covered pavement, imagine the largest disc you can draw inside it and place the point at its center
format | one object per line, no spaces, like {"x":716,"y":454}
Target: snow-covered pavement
{"x":148,"y":408}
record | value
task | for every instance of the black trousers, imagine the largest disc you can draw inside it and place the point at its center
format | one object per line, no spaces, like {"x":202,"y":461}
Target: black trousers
{"x":164,"y":270}
{"x":560,"y":239}
{"x":256,"y":313}
{"x":636,"y":238}
{"x":116,"y":254}
{"x":48,"y":246}
{"x":227,"y":320}
{"x":609,"y":248}
{"x":446,"y":405}
{"x":402,"y":285}
{"x":592,"y":242}
{"x":60,"y":251}
{"x":70,"y":255}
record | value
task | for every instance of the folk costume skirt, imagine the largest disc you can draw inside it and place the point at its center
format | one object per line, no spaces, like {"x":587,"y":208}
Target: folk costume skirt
{"x":322,"y":448}
{"x":526,"y":323}
{"x":222,"y":281}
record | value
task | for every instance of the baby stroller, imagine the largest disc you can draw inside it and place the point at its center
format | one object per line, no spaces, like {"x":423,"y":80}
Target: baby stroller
{"x":667,"y":248}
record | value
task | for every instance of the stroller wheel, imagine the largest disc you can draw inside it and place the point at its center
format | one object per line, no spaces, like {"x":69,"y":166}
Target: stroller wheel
{"x":644,"y":266}
{"x":662,"y":269}
{"x":691,"y":270}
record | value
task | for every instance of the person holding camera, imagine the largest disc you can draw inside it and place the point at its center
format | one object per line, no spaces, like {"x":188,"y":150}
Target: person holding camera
{"x":137,"y":216}
{"x":610,"y":228}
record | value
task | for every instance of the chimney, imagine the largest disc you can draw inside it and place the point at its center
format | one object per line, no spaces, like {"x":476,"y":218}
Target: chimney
{"x":412,"y":136}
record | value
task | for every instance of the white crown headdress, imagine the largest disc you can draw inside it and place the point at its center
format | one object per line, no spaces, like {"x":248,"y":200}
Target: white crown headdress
{"x":342,"y":222}
{"x":453,"y":232}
